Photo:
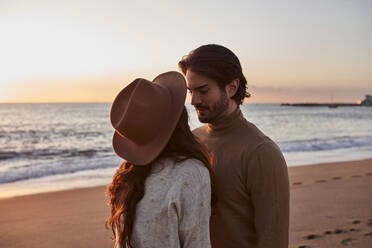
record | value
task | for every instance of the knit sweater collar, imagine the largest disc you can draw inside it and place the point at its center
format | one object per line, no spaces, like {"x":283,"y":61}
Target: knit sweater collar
{"x":226,"y":123}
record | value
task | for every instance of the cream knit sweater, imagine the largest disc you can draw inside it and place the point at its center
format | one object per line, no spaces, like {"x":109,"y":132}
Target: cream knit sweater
{"x":175,"y":209}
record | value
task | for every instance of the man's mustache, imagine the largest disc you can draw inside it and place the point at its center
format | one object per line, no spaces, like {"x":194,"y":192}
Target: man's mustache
{"x":201,"y":107}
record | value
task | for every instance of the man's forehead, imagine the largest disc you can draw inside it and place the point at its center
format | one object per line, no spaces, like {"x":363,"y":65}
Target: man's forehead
{"x":196,"y":80}
{"x":194,"y":86}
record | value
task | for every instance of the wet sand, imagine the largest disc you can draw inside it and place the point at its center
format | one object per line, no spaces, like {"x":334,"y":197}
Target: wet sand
{"x":331,"y":206}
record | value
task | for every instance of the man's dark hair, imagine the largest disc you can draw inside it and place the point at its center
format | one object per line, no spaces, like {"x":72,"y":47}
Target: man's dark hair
{"x":218,"y":63}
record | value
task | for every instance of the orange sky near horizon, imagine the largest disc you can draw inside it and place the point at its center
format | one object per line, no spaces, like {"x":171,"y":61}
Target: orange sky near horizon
{"x":105,"y":90}
{"x":86,"y":51}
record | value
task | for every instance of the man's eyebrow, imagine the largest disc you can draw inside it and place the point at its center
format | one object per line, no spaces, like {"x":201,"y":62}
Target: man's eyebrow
{"x":199,"y":87}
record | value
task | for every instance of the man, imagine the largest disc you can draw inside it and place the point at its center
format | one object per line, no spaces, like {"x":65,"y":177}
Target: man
{"x":251,"y":173}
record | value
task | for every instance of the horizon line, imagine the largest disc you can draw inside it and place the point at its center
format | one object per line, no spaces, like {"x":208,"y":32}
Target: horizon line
{"x":290,"y":102}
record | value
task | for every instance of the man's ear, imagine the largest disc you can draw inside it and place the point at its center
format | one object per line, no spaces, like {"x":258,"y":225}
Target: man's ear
{"x":232,"y":87}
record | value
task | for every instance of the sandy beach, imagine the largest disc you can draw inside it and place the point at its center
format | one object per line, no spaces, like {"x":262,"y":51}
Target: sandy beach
{"x":331,"y":206}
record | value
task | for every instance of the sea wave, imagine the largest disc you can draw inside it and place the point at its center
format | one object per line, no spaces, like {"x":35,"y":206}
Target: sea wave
{"x":60,"y":167}
{"x":48,"y":153}
{"x":311,"y":145}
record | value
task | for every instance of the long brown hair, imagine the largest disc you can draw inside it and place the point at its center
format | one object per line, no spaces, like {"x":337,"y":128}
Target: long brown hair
{"x":128,"y":183}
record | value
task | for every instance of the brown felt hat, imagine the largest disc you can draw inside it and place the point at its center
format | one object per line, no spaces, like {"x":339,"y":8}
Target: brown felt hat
{"x":144,"y":115}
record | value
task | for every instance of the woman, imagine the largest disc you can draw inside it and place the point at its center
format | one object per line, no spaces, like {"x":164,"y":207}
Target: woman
{"x":161,"y":196}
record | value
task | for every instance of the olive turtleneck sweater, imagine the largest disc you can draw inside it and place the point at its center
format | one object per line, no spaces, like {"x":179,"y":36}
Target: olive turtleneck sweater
{"x":252,"y":185}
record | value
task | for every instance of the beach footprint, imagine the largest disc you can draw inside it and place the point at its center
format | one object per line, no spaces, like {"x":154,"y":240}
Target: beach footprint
{"x":356,"y":176}
{"x":356,"y":222}
{"x":340,"y":231}
{"x":346,"y":241}
{"x":313,"y":236}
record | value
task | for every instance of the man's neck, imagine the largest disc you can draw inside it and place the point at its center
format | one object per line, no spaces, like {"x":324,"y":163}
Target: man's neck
{"x":225,"y":122}
{"x":232,"y":107}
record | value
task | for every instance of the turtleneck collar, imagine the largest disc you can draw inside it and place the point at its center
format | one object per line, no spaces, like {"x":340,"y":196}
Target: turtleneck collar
{"x":226,"y":122}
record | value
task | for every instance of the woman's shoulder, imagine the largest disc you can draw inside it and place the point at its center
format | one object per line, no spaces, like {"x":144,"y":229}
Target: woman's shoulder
{"x":189,"y":169}
{"x":192,"y":169}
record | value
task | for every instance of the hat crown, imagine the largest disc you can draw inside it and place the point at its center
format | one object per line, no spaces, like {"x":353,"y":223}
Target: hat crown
{"x":141,"y":114}
{"x":145,"y":114}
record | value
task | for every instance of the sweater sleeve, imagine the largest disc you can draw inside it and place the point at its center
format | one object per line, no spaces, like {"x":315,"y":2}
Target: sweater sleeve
{"x":193,"y":207}
{"x":269,"y":188}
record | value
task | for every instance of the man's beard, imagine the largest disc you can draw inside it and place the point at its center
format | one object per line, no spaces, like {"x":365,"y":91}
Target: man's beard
{"x":215,"y":111}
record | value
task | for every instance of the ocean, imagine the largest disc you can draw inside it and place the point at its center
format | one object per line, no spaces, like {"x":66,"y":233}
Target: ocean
{"x":48,"y":147}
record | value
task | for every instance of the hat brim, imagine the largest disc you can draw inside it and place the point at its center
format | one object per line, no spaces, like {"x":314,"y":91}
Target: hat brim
{"x":145,"y":154}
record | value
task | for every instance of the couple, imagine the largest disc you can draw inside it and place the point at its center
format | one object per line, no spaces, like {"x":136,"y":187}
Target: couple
{"x":173,"y":179}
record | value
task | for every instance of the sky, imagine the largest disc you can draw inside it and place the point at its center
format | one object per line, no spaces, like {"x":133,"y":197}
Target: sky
{"x":87,"y":51}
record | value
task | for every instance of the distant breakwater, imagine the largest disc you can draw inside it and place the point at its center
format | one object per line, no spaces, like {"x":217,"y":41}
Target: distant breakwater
{"x":329,"y":105}
{"x":366,"y":102}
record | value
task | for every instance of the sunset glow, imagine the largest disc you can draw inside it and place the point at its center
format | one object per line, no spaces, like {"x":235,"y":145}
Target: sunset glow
{"x":86,"y":51}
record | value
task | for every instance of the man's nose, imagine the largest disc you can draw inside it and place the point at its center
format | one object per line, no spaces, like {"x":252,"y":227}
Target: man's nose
{"x":195,"y":99}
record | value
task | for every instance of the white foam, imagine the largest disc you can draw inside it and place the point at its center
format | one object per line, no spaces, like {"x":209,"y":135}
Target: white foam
{"x":326,"y":156}
{"x":333,"y":143}
{"x":81,"y":179}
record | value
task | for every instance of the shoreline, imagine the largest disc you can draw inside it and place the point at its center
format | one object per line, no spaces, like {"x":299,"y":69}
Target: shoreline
{"x":330,"y":206}
{"x":86,"y":179}
{"x":290,"y":169}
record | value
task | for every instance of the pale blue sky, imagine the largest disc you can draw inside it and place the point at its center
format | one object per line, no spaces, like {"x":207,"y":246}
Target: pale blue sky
{"x":311,"y":49}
